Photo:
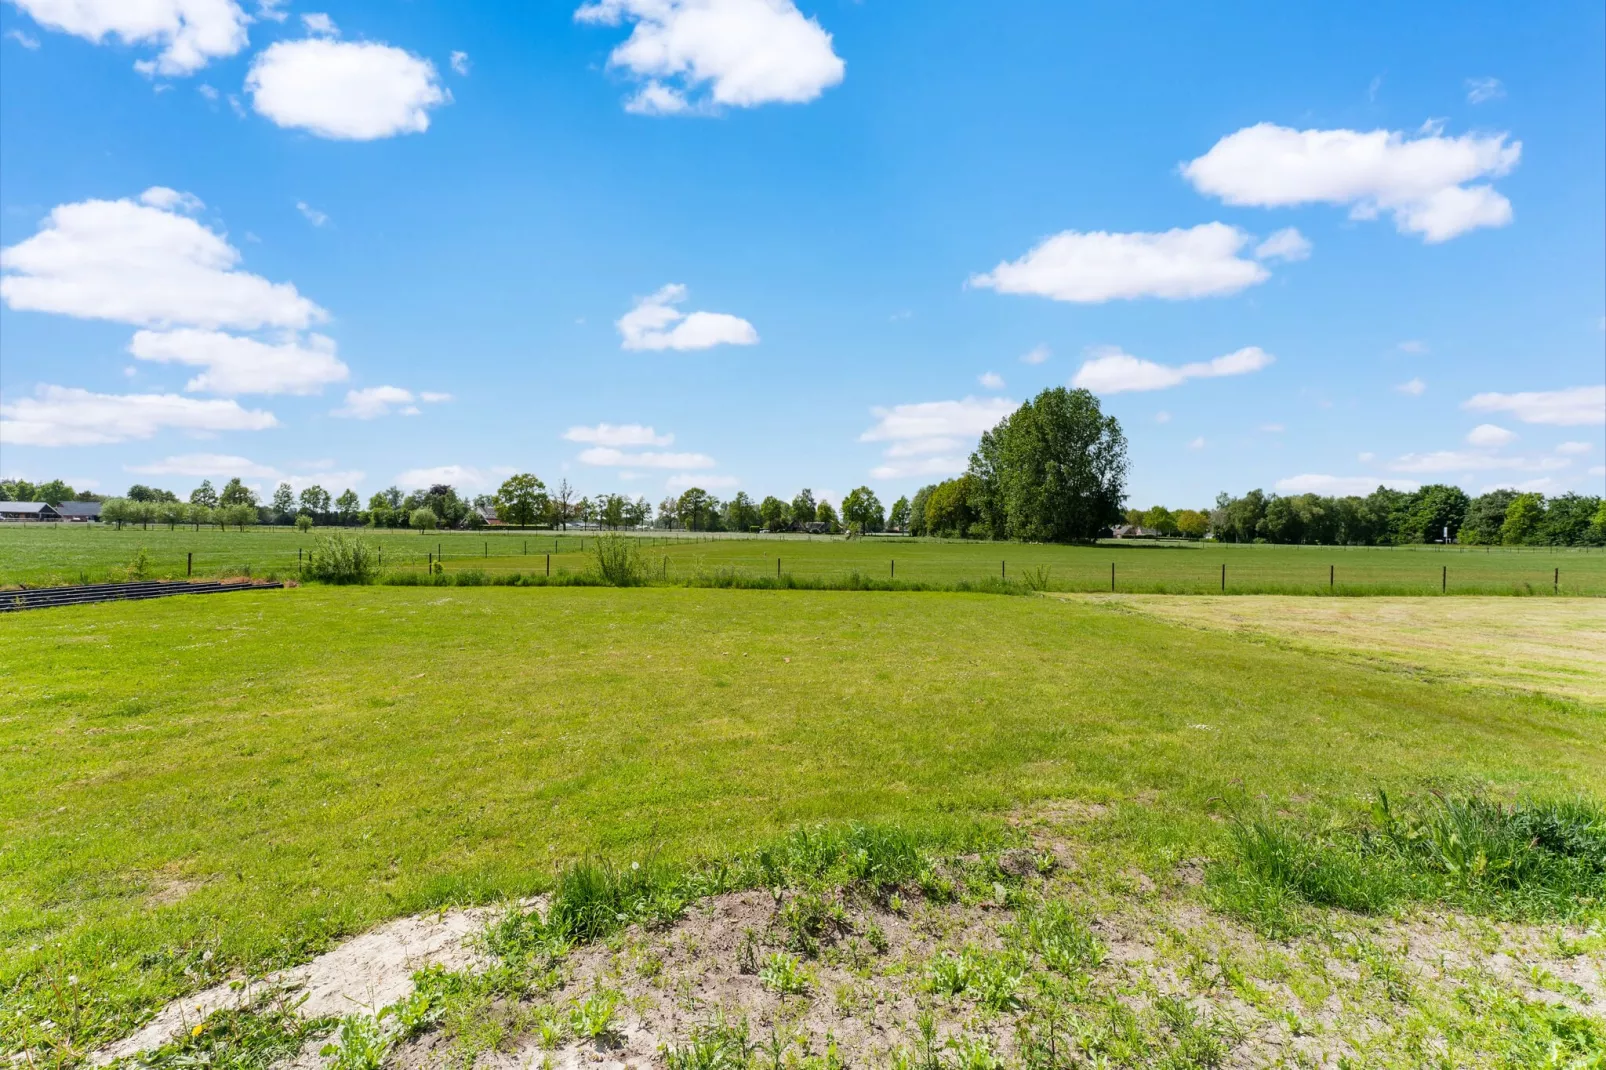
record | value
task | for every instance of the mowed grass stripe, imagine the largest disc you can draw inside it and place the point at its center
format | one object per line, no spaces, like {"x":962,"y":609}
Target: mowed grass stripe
{"x":255,"y":776}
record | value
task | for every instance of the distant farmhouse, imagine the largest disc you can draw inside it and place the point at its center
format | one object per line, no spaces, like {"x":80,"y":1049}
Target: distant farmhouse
{"x":1133,"y":531}
{"x":38,"y":512}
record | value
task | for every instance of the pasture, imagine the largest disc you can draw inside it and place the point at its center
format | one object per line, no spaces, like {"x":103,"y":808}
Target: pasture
{"x":57,"y":554}
{"x":199,"y":789}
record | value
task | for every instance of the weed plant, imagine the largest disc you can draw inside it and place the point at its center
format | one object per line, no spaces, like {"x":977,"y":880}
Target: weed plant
{"x":340,"y":558}
{"x":1529,"y":860}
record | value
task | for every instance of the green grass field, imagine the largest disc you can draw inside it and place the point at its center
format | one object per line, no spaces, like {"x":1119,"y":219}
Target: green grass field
{"x":55,"y":554}
{"x":196,"y":785}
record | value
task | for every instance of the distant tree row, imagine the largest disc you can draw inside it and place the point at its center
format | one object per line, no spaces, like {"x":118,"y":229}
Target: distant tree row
{"x":1392,"y":517}
{"x":54,"y":492}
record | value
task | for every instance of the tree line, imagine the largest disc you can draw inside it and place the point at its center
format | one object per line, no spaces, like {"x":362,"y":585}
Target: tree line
{"x":1430,"y":514}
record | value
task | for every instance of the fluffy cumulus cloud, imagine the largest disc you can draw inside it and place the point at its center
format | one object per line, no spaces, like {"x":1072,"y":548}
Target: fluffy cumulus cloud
{"x":190,"y":33}
{"x":227,"y":466}
{"x":67,"y":416}
{"x":144,"y":262}
{"x":1432,"y":185}
{"x":693,"y":55}
{"x":1110,"y":371}
{"x":1094,"y":267}
{"x":991,"y":380}
{"x":1340,"y":486}
{"x":618,"y":435}
{"x":372,"y":402}
{"x":612,"y":457}
{"x":656,"y":324}
{"x":1472,"y":461}
{"x":932,"y":438}
{"x":461,"y":476}
{"x":237,"y":365}
{"x":347,"y":90}
{"x":1490,"y":436}
{"x":1576,"y":406}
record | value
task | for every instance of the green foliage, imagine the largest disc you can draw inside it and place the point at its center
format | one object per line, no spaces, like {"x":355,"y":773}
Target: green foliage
{"x":522,"y":500}
{"x":619,"y":559}
{"x":862,"y":511}
{"x":424,"y":519}
{"x":1062,"y":939}
{"x":1523,"y":517}
{"x":303,"y":523}
{"x":253,"y":1038}
{"x":595,"y":1017}
{"x":992,"y":980}
{"x":775,"y":514}
{"x":360,"y":1045}
{"x":784,"y":974}
{"x":342,"y":558}
{"x":716,"y":1045}
{"x":1533,"y":860}
{"x":139,"y":567}
{"x":1053,"y":471}
{"x":235,"y":492}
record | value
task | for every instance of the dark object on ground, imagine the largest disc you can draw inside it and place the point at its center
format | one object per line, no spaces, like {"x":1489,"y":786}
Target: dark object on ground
{"x":44,"y":597}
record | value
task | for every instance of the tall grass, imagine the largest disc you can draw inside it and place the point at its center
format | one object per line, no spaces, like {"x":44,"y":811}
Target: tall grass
{"x":342,"y":558}
{"x":1531,"y":860}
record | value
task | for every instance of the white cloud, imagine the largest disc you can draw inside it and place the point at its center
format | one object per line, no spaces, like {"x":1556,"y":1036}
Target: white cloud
{"x":1340,"y":486}
{"x":30,"y":43}
{"x":655,"y":324}
{"x":1113,"y":372}
{"x":609,"y":457}
{"x":1273,"y":429}
{"x":433,"y":397}
{"x":1489,"y":436}
{"x":373,"y":402}
{"x":932,"y":437}
{"x":458,"y":475}
{"x":1574,"y":448}
{"x":207,"y":91}
{"x":743,"y":52}
{"x":618,"y":435}
{"x":1035,"y":355}
{"x":461,"y":63}
{"x":313,"y":216}
{"x":236,"y":365}
{"x":1286,"y":244}
{"x":67,"y":416}
{"x":1480,"y":90}
{"x":272,"y":10}
{"x":1414,"y":347}
{"x":345,"y":90}
{"x":1366,"y":457}
{"x":207,"y":465}
{"x":1413,"y":387}
{"x":1162,"y":417}
{"x":1099,"y":266}
{"x":1197,"y":444}
{"x":200,"y":465}
{"x":707,"y":481}
{"x":1598,"y":470}
{"x":1575,"y":406}
{"x":145,"y":264}
{"x":991,"y":380}
{"x":1472,"y":461}
{"x":1420,"y":181}
{"x":191,"y":33}
{"x":321,"y":24}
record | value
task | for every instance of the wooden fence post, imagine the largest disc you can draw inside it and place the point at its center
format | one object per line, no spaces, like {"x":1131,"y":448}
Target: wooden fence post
{"x":1112,"y":577}
{"x":189,"y":564}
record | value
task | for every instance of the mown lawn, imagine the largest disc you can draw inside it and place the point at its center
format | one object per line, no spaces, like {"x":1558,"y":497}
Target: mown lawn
{"x":55,"y":554}
{"x":201,"y":784}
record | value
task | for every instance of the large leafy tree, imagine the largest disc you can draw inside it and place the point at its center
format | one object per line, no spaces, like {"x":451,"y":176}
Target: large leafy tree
{"x":804,"y":507}
{"x":1523,"y":517}
{"x":694,"y":509}
{"x":741,"y":513}
{"x":898,"y":515}
{"x":203,"y":495}
{"x":774,"y":514}
{"x":862,"y":510}
{"x":284,"y":500}
{"x":347,"y":505}
{"x":315,"y":500}
{"x":522,"y":500}
{"x":1053,"y":470}
{"x":235,"y":492}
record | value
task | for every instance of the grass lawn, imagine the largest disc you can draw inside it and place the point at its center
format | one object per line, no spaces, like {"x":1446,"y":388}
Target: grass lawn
{"x":54,"y":554}
{"x":195,"y":785}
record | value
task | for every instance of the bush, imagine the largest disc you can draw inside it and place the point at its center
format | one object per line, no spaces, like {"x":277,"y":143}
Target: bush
{"x":303,"y":522}
{"x":620,"y":562}
{"x":342,"y":558}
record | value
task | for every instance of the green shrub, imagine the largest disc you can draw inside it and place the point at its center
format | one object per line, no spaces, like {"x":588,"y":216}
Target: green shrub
{"x":619,"y":561}
{"x":303,"y":522}
{"x":342,"y":558}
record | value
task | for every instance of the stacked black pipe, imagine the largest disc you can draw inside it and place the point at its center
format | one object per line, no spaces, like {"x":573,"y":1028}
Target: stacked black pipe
{"x":44,"y":597}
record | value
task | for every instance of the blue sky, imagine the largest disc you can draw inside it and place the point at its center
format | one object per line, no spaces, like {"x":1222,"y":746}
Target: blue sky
{"x":750,"y":245}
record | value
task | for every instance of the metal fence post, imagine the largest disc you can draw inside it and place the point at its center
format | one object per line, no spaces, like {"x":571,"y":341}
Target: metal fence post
{"x":189,"y":564}
{"x":549,"y":564}
{"x":1330,"y":577}
{"x":1444,"y":580}
{"x":1112,"y":577}
{"x":1224,"y":577}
